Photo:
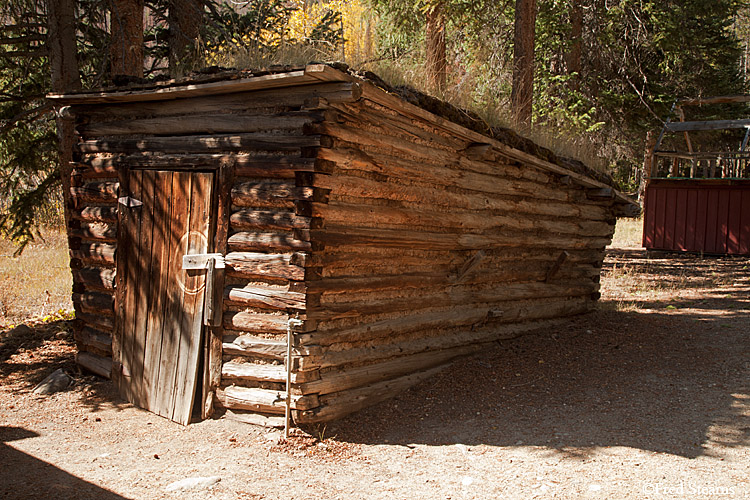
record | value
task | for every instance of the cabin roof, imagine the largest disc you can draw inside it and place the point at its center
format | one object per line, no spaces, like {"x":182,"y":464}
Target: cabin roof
{"x":409,"y":101}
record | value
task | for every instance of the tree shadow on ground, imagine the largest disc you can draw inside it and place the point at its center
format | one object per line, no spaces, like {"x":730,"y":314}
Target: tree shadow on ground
{"x":664,"y":380}
{"x":30,"y":352}
{"x":27,"y":477}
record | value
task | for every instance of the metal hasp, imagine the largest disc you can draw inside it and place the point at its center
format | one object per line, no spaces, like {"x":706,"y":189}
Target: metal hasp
{"x":210,"y":262}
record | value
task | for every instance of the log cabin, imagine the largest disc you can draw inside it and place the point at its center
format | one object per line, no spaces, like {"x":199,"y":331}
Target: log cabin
{"x":311,"y":242}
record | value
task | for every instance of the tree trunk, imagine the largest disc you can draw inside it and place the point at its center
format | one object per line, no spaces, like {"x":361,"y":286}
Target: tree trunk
{"x":63,"y":61}
{"x":522,"y":93}
{"x":573,"y":57}
{"x":185,"y":19}
{"x":126,"y":51}
{"x":435,"y":45}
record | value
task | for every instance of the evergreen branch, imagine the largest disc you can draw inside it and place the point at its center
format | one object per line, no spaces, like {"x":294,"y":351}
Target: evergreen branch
{"x":29,"y":115}
{"x":22,"y":39}
{"x":41,"y":52}
{"x":17,"y":221}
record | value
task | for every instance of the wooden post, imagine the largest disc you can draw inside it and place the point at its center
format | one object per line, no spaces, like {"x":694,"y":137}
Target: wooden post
{"x":649,"y":168}
{"x":522,"y":91}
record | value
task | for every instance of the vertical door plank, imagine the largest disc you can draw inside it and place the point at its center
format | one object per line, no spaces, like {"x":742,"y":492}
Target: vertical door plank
{"x":172,"y":295}
{"x":159,"y":260}
{"x":142,"y":291}
{"x":132,"y":266}
{"x":120,"y":334}
{"x":193,"y":290}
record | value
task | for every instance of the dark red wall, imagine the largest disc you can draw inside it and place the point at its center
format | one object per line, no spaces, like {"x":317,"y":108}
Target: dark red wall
{"x":710,"y":215}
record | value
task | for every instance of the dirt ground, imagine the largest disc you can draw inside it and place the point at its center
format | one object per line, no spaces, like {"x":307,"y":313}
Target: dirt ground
{"x":647,"y":398}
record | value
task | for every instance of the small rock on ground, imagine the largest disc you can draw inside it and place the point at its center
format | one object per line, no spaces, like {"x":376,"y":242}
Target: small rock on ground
{"x":55,"y":382}
{"x":193,"y":483}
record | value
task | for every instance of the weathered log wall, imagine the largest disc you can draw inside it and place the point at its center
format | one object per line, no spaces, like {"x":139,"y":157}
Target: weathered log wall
{"x":400,"y":240}
{"x":429,"y":247}
{"x":266,"y":138}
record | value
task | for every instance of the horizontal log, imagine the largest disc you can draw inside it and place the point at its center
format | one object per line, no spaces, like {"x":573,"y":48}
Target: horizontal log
{"x":256,"y":323}
{"x":94,"y":303}
{"x":385,"y":258}
{"x":455,"y":220}
{"x":96,"y":231}
{"x":100,"y":322}
{"x":468,"y":316}
{"x":263,"y":219}
{"x":425,"y":194}
{"x":95,"y":279}
{"x":263,"y":400}
{"x":248,"y":345}
{"x":627,"y":210}
{"x":235,"y":344}
{"x":255,"y":418}
{"x":202,"y":143}
{"x":269,"y":193}
{"x":94,"y":363}
{"x":233,"y":371}
{"x":291,"y":97}
{"x":96,"y":214}
{"x":95,"y":168}
{"x":210,"y":123}
{"x":402,"y":345}
{"x":335,"y":406}
{"x":348,"y":378}
{"x":266,"y":241}
{"x":264,"y":265}
{"x":338,"y":235}
{"x":600,"y":194}
{"x":95,"y":340}
{"x":95,"y":253}
{"x":95,"y":192}
{"x":264,"y":298}
{"x":387,"y":293}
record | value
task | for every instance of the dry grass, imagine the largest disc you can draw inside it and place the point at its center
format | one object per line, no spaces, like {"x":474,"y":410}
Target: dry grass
{"x":628,"y":233}
{"x":38,"y":282}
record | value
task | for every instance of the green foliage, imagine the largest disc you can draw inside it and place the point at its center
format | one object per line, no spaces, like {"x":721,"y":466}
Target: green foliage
{"x":638,"y":57}
{"x":28,"y":156}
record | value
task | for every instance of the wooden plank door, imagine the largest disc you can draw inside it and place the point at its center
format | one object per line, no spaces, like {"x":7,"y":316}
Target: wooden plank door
{"x":160,"y":309}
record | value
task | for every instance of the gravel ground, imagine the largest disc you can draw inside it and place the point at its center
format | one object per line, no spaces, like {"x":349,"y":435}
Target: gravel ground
{"x":647,"y":398}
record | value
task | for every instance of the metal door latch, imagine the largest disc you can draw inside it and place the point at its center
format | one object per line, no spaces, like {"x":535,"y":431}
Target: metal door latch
{"x":201,"y":260}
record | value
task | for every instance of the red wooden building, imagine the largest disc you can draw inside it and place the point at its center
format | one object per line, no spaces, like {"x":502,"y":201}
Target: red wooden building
{"x":699,"y":201}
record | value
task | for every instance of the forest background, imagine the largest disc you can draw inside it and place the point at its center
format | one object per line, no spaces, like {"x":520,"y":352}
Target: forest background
{"x":587,"y":78}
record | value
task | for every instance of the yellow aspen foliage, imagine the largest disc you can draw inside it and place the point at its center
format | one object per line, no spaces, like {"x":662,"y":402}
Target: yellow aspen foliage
{"x":356,"y":19}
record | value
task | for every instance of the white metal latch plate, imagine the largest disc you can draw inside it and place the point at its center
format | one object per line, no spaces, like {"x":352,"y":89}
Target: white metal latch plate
{"x":129,"y":202}
{"x":200,"y":261}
